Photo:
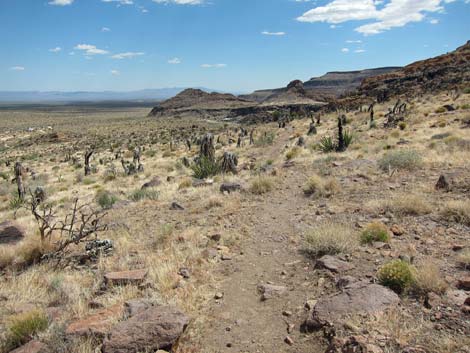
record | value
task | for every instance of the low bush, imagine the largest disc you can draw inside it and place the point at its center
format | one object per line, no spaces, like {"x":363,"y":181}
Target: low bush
{"x":205,"y":168}
{"x":428,"y":278}
{"x":106,"y":199}
{"x":293,"y":153}
{"x":265,"y":139}
{"x":23,"y":327}
{"x":407,"y":205}
{"x":375,"y":232}
{"x":456,"y":211}
{"x":261,"y":185}
{"x":320,"y":187}
{"x":144,"y":194}
{"x":397,"y":275}
{"x":327,"y":144}
{"x":329,"y":239}
{"x":400,"y":160}
{"x":464,"y":259}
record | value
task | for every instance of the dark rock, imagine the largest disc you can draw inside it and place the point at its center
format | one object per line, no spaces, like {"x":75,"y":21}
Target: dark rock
{"x":230,"y":187}
{"x":11,"y":232}
{"x":176,"y":207}
{"x":152,"y":183}
{"x":135,"y":306}
{"x":149,"y":330}
{"x":464,"y":283}
{"x":442,"y":184}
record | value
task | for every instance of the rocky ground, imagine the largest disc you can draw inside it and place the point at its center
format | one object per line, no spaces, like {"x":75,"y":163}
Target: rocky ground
{"x":281,"y":265}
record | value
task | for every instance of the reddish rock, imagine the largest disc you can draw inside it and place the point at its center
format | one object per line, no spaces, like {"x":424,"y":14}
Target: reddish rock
{"x":397,"y":230}
{"x":126,"y":277}
{"x":432,"y":300}
{"x":150,"y":330}
{"x":31,"y":347}
{"x":464,"y":283}
{"x":97,"y":324}
{"x":11,"y":232}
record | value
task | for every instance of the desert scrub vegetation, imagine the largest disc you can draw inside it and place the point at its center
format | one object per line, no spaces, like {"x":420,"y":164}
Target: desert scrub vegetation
{"x":456,"y":211}
{"x":205,"y":167}
{"x":375,"y":232}
{"x":293,"y":153}
{"x":400,"y":160}
{"x":144,"y":194}
{"x":397,"y":275}
{"x":106,"y":199}
{"x":329,"y":239}
{"x":21,"y":328}
{"x":463,"y":259}
{"x":407,"y":205}
{"x":261,"y":185}
{"x":428,"y":278}
{"x":321,"y":187}
{"x":265,"y":139}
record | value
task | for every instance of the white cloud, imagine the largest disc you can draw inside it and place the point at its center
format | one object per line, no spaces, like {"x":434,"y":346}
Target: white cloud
{"x":180,"y":2}
{"x":127,"y":55}
{"x":105,"y":29}
{"x":354,"y":41}
{"x":17,"y":68}
{"x":217,"y":66}
{"x":55,"y":50}
{"x":433,"y":21}
{"x":115,"y":72}
{"x":121,"y":2}
{"x":174,"y":61}
{"x":345,"y":50}
{"x":61,"y":2}
{"x":266,"y":33}
{"x":393,"y":13}
{"x":359,"y":51}
{"x":90,"y":49}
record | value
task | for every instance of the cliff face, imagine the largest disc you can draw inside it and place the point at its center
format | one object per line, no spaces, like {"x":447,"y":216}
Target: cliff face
{"x":443,"y":72}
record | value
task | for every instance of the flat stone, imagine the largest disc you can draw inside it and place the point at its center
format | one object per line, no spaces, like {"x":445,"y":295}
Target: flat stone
{"x":33,"y":346}
{"x":11,"y":232}
{"x":135,"y":306}
{"x":97,"y":324}
{"x":269,"y":291}
{"x":152,"y":329}
{"x":334,"y":264}
{"x":360,"y":298}
{"x":126,"y":277}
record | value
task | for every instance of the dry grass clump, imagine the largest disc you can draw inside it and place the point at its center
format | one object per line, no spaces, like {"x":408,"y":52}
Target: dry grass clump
{"x":464,"y":258}
{"x":456,"y":211}
{"x":22,"y":254}
{"x":428,"y":278}
{"x":329,"y":239}
{"x":214,"y":202}
{"x":185,"y":183}
{"x":293,"y":153}
{"x":23,"y":327}
{"x":400,"y":160}
{"x":261,"y":185}
{"x":375,"y":232}
{"x":407,"y":205}
{"x":321,"y":187}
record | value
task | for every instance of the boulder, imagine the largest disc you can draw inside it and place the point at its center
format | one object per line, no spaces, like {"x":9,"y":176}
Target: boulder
{"x":33,"y":346}
{"x":360,"y":298}
{"x":134,"y":306}
{"x":269,"y":291}
{"x":126,"y":277}
{"x":149,"y":330}
{"x":333,"y":264}
{"x":97,"y":324}
{"x":11,"y":232}
{"x":464,"y":283}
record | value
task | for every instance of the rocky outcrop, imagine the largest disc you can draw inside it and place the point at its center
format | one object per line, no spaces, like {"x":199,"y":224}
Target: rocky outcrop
{"x":149,"y":330}
{"x":97,"y":324}
{"x":11,"y":232}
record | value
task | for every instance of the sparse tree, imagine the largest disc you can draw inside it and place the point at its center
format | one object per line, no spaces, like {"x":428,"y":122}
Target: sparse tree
{"x":88,"y":155}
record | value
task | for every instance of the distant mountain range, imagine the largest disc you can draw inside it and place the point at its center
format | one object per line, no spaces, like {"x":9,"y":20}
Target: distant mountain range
{"x":144,"y":95}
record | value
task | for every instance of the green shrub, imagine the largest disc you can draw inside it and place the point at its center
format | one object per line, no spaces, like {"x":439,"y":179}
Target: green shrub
{"x":293,"y":153}
{"x":261,"y":185}
{"x":106,"y":199}
{"x":15,"y":202}
{"x":265,"y":139}
{"x":23,"y":327}
{"x":466,"y":90}
{"x":375,"y":232}
{"x":205,"y":168}
{"x":397,"y":275}
{"x":401,"y":159}
{"x":372,"y":125}
{"x":348,"y":138}
{"x":402,"y":125}
{"x":144,"y":194}
{"x":4,"y":176}
{"x":327,"y":144}
{"x":441,"y":110}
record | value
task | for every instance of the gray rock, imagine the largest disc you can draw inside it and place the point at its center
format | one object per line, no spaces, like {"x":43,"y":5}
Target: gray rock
{"x":334,"y":264}
{"x":11,"y":232}
{"x":269,"y":291}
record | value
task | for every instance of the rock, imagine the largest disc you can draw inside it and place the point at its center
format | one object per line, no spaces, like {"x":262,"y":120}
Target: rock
{"x":152,"y":183}
{"x":360,"y":298}
{"x":218,"y":295}
{"x":184,"y":272}
{"x":432,"y":300}
{"x":197,"y":183}
{"x":31,"y":347}
{"x":464,"y":283}
{"x":230,"y":187}
{"x":269,"y":291}
{"x":135,"y":306}
{"x":126,"y":277}
{"x":310,"y":304}
{"x":442,"y":184}
{"x":289,"y":341}
{"x":345,"y":281}
{"x":176,"y":207}
{"x":152,"y":329}
{"x":334,"y":264}
{"x":215,"y":237}
{"x":11,"y":232}
{"x":97,"y":324}
{"x":397,"y":230}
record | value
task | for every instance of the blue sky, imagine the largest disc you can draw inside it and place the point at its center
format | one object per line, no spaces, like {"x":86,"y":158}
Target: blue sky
{"x":232,"y":45}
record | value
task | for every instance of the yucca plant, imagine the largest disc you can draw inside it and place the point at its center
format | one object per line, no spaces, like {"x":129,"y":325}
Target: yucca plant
{"x":327,"y":145}
{"x":205,"y":167}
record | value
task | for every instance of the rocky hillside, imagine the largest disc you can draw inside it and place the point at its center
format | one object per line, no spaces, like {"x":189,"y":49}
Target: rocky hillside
{"x":327,"y":86}
{"x":444,"y":72}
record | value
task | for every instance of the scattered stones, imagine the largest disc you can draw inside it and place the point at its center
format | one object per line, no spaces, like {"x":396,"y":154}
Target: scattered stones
{"x":154,"y":328}
{"x":333,"y":264}
{"x":11,"y":232}
{"x":358,"y":298}
{"x":126,"y":277}
{"x":33,"y":346}
{"x":352,"y":344}
{"x":97,"y":324}
{"x":269,"y":291}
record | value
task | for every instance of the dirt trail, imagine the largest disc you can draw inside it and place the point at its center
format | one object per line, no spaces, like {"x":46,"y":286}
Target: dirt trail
{"x":241,"y":322}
